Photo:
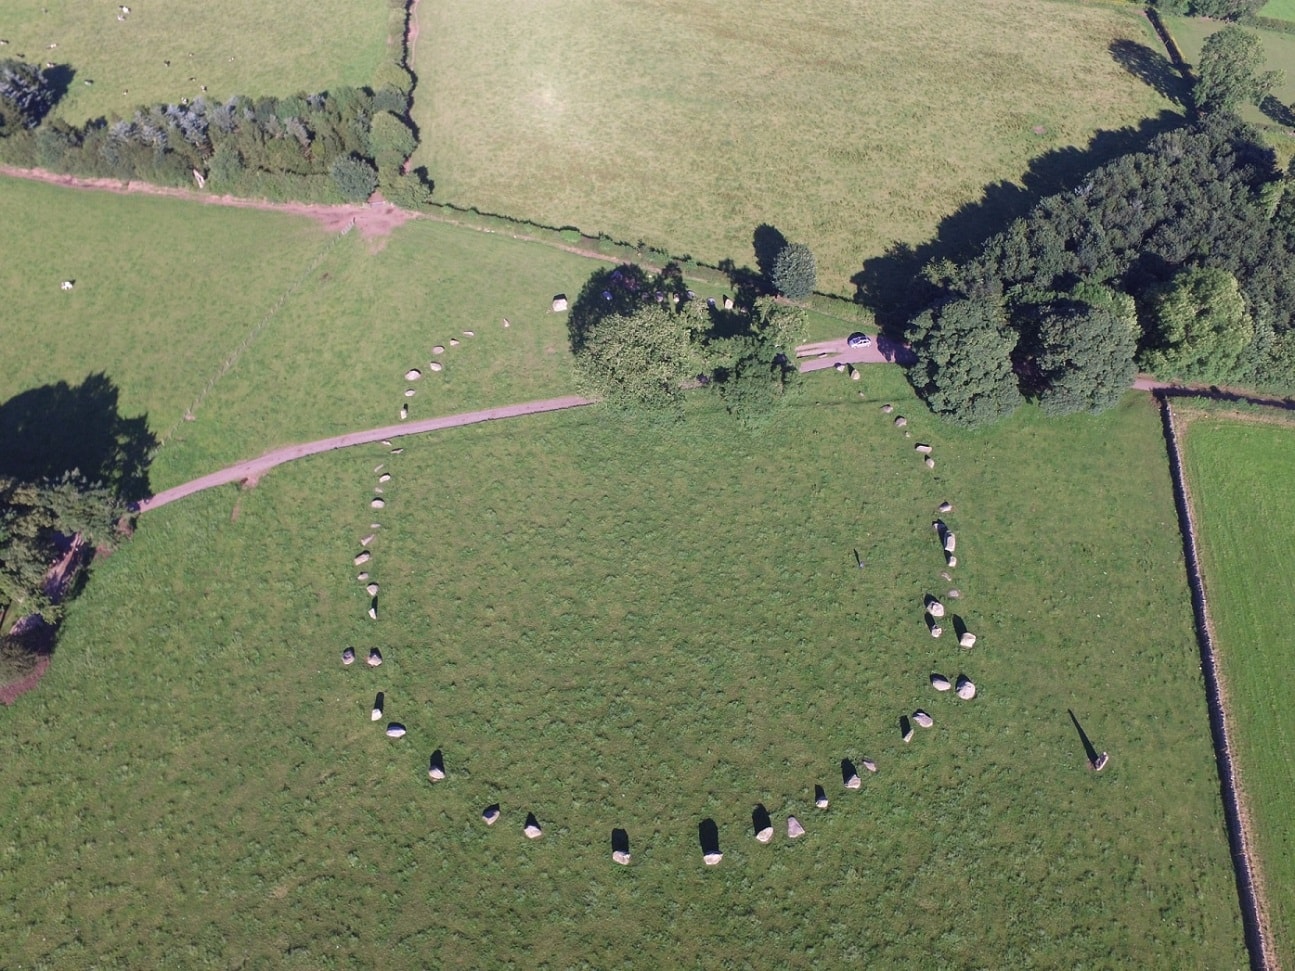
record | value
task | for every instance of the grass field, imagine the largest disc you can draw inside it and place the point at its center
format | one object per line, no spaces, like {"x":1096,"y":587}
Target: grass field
{"x":688,"y":125}
{"x":613,"y":626}
{"x":1238,"y":471}
{"x":232,"y":47}
{"x":1278,"y":9}
{"x":167,"y":290}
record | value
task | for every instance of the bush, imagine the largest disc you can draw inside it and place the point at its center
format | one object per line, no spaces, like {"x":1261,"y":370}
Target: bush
{"x":355,"y":178}
{"x":794,"y":273}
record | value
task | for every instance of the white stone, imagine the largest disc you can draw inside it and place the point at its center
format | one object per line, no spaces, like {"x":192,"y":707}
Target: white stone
{"x":855,"y":374}
{"x":533,"y":832}
{"x":375,"y":715}
{"x":404,"y":412}
{"x":373,"y":613}
{"x":923,"y":448}
{"x":410,"y":392}
{"x":385,"y":477}
{"x":946,"y":507}
{"x":854,"y":782}
{"x":362,"y":577}
{"x":559,"y":304}
{"x":469,"y":333}
{"x":765,"y":834}
{"x":436,"y":365}
{"x":936,"y":630}
{"x":794,"y":829}
{"x":379,"y":467}
{"x":950,"y":542}
{"x":348,"y":656}
{"x":375,"y":658}
{"x":363,"y":558}
{"x":711,"y":859}
{"x":368,"y":539}
{"x":371,"y":589}
{"x":968,"y":639}
{"x":821,"y":802}
{"x":930,"y":462}
{"x":870,"y":765}
{"x":923,"y":719}
{"x":621,"y":857}
{"x":438,"y":349}
{"x":935,"y":608}
{"x":908,"y":735}
{"x":66,"y":285}
{"x":436,"y":775}
{"x":951,"y":560}
{"x":887,"y":409}
{"x":507,"y":322}
{"x":454,"y":342}
{"x":413,"y":374}
{"x":378,"y":503}
{"x":839,"y":366}
{"x":397,"y":451}
{"x":966,"y":688}
{"x":395,"y":730}
{"x":490,"y":815}
{"x":940,"y":683}
{"x":901,"y":421}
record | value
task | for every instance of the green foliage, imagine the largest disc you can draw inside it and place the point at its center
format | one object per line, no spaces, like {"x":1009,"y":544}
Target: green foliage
{"x":964,"y":369}
{"x":392,"y":140}
{"x":355,"y":177}
{"x":1078,"y":348}
{"x":1228,"y":73}
{"x":794,"y":274}
{"x":638,"y":361}
{"x":1223,"y":9}
{"x":1197,"y":326}
{"x":26,"y":96}
{"x":754,"y":370}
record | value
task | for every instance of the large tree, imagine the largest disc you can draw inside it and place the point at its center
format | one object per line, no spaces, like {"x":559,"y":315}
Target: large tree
{"x":1229,"y":75}
{"x":1197,"y":326}
{"x":1079,"y":349}
{"x":639,"y":359}
{"x":794,"y":272}
{"x":754,"y":369}
{"x":964,"y":368}
{"x":26,"y":96}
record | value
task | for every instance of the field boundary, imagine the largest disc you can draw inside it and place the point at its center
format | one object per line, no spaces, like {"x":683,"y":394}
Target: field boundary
{"x":1258,"y":932}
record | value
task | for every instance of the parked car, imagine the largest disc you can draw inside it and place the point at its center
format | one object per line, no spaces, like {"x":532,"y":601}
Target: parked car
{"x":858,"y":339}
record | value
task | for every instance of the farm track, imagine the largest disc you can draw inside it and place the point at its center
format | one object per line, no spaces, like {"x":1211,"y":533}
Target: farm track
{"x":1249,"y":875}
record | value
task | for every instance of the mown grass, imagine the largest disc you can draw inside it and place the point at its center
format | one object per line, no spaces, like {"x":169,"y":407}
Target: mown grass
{"x":166,"y":291}
{"x":1238,"y":472}
{"x":619,"y":626}
{"x":232,"y":47}
{"x":688,"y":125}
{"x":1278,"y":9}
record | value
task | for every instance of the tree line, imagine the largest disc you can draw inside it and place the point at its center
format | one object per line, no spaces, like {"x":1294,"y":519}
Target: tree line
{"x":337,"y":145}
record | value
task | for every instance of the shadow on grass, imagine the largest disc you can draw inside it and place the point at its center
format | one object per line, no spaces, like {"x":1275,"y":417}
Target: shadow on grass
{"x":57,"y":428}
{"x":892,"y":286}
{"x":1153,"y":69}
{"x":1089,"y":751}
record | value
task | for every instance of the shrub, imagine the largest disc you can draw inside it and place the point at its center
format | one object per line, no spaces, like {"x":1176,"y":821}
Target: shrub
{"x":355,"y":178}
{"x":794,"y":273}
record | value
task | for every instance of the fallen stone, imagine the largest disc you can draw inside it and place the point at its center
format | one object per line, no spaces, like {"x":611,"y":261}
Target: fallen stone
{"x":901,"y":421}
{"x":954,"y":594}
{"x":923,"y":719}
{"x":454,"y":342}
{"x":368,"y":539}
{"x":929,"y":462}
{"x":361,"y":577}
{"x":436,"y":366}
{"x":379,"y":467}
{"x":966,"y":688}
{"x":397,"y":451}
{"x":968,"y":639}
{"x":362,"y":558}
{"x":870,"y":765}
{"x":371,"y":589}
{"x":385,"y":477}
{"x":395,"y":730}
{"x":438,"y":349}
{"x":413,"y":374}
{"x":490,"y":814}
{"x":923,"y":448}
{"x":794,"y":829}
{"x":469,"y":333}
{"x":887,"y":409}
{"x":410,"y":392}
{"x":378,"y":503}
{"x":348,"y":656}
{"x":940,"y":683}
{"x":946,"y":507}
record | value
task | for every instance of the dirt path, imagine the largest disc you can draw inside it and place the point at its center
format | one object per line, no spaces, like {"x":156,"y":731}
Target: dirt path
{"x":11,"y":692}
{"x":251,"y":470}
{"x":372,"y":219}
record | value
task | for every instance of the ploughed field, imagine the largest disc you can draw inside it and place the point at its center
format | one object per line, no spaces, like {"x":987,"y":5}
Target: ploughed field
{"x":639,"y":627}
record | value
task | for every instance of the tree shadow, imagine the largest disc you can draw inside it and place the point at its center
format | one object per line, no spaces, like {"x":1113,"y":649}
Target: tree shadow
{"x":768,"y":242}
{"x":57,"y":429}
{"x":619,"y":290}
{"x":1151,"y":68}
{"x":892,"y":285}
{"x":1277,"y":112}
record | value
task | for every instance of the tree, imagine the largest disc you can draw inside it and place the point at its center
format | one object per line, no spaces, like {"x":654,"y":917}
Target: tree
{"x":1081,"y":349}
{"x":639,"y":360}
{"x":754,"y":370}
{"x":1225,"y":9}
{"x":794,"y":273}
{"x":1197,"y":326}
{"x":964,"y":369}
{"x":1227,"y":76}
{"x":354,"y":177}
{"x":26,"y":96}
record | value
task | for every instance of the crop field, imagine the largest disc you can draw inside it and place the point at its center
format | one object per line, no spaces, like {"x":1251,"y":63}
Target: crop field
{"x":166,"y":292}
{"x":610,"y":625}
{"x":165,"y":51}
{"x":1239,"y":471}
{"x":687,"y":125}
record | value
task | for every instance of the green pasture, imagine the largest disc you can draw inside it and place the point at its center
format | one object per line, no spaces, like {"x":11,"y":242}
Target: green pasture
{"x":612,"y":625}
{"x":231,"y":46}
{"x":166,"y":292}
{"x":687,"y":125}
{"x":1190,"y":34}
{"x":1278,"y":9}
{"x":1238,"y":471}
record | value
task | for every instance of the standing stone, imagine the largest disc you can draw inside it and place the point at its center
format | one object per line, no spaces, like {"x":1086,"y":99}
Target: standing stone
{"x":966,"y":688}
{"x":395,"y":730}
{"x":375,"y":657}
{"x":490,"y":814}
{"x":940,"y":683}
{"x":968,"y":639}
{"x":820,"y":797}
{"x":923,"y":719}
{"x":532,"y":827}
{"x":376,"y":714}
{"x":436,"y":766}
{"x":348,"y":656}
